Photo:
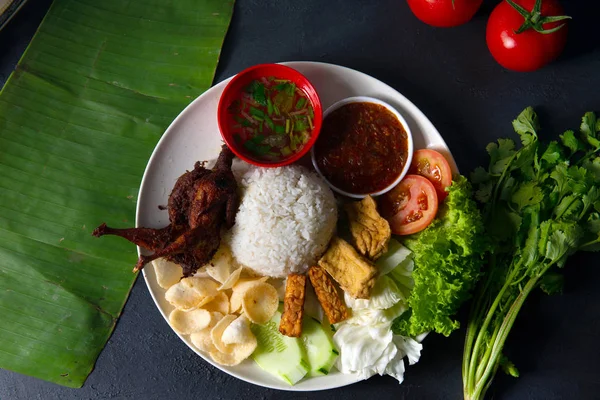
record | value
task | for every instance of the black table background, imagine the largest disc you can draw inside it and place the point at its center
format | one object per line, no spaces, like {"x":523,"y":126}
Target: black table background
{"x":450,"y":76}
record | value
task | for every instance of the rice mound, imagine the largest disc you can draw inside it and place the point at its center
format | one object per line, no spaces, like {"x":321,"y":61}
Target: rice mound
{"x":286,"y":218}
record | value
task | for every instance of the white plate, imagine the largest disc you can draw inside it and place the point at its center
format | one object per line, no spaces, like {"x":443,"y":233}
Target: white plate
{"x":194,"y":135}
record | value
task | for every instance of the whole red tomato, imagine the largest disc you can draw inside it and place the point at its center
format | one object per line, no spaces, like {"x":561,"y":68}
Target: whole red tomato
{"x":528,"y":36}
{"x":444,"y":13}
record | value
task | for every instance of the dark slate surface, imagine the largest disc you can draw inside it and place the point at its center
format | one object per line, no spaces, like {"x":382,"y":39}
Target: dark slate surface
{"x":450,"y":75}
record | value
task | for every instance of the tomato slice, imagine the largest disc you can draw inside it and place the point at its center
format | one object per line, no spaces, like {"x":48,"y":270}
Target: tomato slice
{"x":410,"y":206}
{"x":433,"y":166}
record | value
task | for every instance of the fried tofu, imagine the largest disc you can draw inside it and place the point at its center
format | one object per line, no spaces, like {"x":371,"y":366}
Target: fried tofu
{"x":370,"y":231}
{"x":328,"y":297}
{"x":293,"y":306}
{"x":354,"y":273}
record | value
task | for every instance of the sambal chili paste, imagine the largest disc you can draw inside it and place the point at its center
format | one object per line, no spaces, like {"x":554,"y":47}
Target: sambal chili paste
{"x":362,"y":148}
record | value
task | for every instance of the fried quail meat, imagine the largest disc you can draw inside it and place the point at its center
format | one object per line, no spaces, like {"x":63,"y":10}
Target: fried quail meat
{"x":200,"y":204}
{"x":370,"y":232}
{"x":354,"y":273}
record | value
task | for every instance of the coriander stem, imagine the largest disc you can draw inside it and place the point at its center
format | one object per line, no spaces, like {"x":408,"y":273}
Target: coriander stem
{"x":476,"y":314}
{"x":497,"y":185}
{"x":492,"y":364}
{"x":486,"y":356}
{"x":488,"y":320}
{"x":484,"y":382}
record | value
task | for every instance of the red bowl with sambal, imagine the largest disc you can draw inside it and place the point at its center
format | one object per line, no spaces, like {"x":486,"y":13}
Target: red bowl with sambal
{"x":365,"y":147}
{"x":270,"y":115}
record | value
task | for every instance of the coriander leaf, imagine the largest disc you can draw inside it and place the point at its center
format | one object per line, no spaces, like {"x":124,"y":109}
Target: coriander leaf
{"x":479,"y":175}
{"x":562,"y":241}
{"x":527,"y":194}
{"x":552,"y":283}
{"x":556,"y":246}
{"x":593,"y":229}
{"x":588,"y":124}
{"x":552,"y":155}
{"x":507,"y":189}
{"x":569,"y":140}
{"x":484,"y":193}
{"x":593,"y":142}
{"x":578,"y":179}
{"x":560,"y":176}
{"x":588,"y":130}
{"x":593,"y":225}
{"x":500,"y":155}
{"x":527,"y":125}
{"x":567,"y":206}
{"x":589,"y":199}
{"x":525,"y":158}
{"x":544,"y":235}
{"x":529,"y":251}
{"x":593,"y":167}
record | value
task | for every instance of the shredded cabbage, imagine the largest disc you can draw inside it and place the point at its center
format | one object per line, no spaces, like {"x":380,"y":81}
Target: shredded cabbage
{"x":366,"y":342}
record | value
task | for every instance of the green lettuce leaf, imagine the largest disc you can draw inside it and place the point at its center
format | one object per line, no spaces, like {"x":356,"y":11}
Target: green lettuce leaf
{"x":448,"y":256}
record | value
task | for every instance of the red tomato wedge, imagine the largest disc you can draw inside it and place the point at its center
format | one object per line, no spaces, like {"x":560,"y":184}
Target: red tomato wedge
{"x":433,"y":166}
{"x":410,"y":206}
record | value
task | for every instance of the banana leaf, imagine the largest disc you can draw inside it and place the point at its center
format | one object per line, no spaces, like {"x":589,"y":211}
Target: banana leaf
{"x":79,"y":118}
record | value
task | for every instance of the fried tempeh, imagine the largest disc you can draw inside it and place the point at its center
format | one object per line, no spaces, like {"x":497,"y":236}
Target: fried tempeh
{"x":354,"y":273}
{"x":293,"y":306}
{"x":370,"y":231}
{"x":334,"y":307}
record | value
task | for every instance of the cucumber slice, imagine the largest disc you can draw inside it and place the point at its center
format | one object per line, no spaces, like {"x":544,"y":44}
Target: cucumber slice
{"x":320,"y":350}
{"x":279,"y":355}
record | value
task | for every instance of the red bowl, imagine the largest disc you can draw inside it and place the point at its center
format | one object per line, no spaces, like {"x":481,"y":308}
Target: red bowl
{"x":243,"y":79}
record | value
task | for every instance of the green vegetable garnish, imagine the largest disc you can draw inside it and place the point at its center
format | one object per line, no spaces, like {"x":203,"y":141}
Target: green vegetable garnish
{"x":301,"y":103}
{"x":269,"y":123}
{"x":275,"y":110}
{"x":300,"y":126}
{"x":286,"y":151}
{"x":254,"y":147}
{"x":541,"y":204}
{"x":291,"y":89}
{"x":243,"y":121}
{"x":255,"y":112}
{"x":448,"y":257}
{"x":258,"y":93}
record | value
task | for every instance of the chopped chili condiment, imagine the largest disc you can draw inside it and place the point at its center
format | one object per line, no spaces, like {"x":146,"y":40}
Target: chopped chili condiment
{"x":272,"y":118}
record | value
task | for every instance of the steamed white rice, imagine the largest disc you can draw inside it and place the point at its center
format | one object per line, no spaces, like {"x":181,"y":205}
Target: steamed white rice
{"x":285,"y":221}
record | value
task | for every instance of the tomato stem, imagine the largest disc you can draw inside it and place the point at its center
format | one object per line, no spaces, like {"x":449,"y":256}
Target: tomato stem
{"x":534,"y":19}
